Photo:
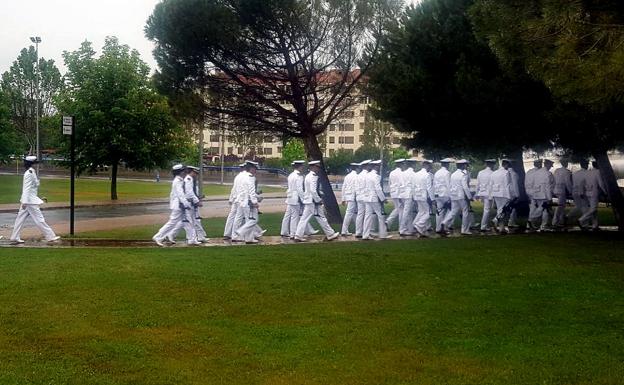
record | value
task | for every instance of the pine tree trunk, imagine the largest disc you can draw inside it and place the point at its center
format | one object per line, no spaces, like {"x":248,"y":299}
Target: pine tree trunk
{"x":523,"y":206}
{"x":613,"y":190}
{"x":329,"y":198}
{"x":114,"y":181}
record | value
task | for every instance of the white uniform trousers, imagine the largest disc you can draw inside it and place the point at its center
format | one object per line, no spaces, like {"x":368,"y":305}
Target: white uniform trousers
{"x":487,"y":209}
{"x":199,"y":228}
{"x":397,"y":212}
{"x":591,"y":213}
{"x":242,"y":216}
{"x":559,"y":216}
{"x":249,"y":231}
{"x":442,"y":212}
{"x":34,"y":212}
{"x":422,"y":222}
{"x":350,"y":213}
{"x":229,"y":222}
{"x":500,"y":204}
{"x":176,"y":217}
{"x":290,"y":221}
{"x":317,"y":211}
{"x":406,"y":225}
{"x":457,"y":207}
{"x":374,"y":208}
{"x":538,"y":213}
{"x":581,"y":204}
{"x":359,"y":218}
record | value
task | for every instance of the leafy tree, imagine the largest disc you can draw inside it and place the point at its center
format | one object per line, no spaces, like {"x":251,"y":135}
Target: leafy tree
{"x":293,"y":150}
{"x":285,"y":67}
{"x":437,"y":81}
{"x":338,"y":162}
{"x":119,"y":117}
{"x":20,"y":87}
{"x":576,"y":48}
{"x":7,"y":137}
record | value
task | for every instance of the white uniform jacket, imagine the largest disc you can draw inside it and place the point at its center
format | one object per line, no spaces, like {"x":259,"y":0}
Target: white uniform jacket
{"x":177,"y":197}
{"x":442,"y":183}
{"x":578,"y":182}
{"x":501,"y":184}
{"x":593,"y":183}
{"x":563,"y":182}
{"x":394,"y":181}
{"x":348,"y":187}
{"x":515,"y":184}
{"x":543,"y":184}
{"x":423,"y":187}
{"x":373,"y":186}
{"x":294,"y":194}
{"x":189,"y":190}
{"x":311,"y":194}
{"x":246,"y":184}
{"x":529,"y":182}
{"x":460,"y":185}
{"x":361,"y":193}
{"x":236,"y":186}
{"x":30,"y":188}
{"x":406,"y":191}
{"x":483,"y":183}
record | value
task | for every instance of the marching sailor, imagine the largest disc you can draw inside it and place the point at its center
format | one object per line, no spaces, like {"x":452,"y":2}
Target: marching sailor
{"x":442,"y":191}
{"x":294,"y":200}
{"x":482,"y":192}
{"x":563,"y":189}
{"x":374,"y":203}
{"x":348,"y":198}
{"x":543,"y":185}
{"x":248,"y":203}
{"x":192,"y":195}
{"x":581,"y":204}
{"x":230,"y":225}
{"x":199,"y":228}
{"x":423,"y":195}
{"x":503,"y":194}
{"x":180,"y":208}
{"x":313,"y":205}
{"x":515,"y":186}
{"x":395,"y":181}
{"x":360,"y":198}
{"x":406,"y":194}
{"x":594,"y":187}
{"x":460,"y":197}
{"x":529,"y":187}
{"x":29,"y":205}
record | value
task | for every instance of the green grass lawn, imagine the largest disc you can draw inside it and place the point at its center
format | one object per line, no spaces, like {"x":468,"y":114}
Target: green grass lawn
{"x":541,"y":309}
{"x":89,"y":190}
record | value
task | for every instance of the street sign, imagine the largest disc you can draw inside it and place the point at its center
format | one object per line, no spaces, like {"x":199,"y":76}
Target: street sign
{"x":68,"y":125}
{"x":68,"y":129}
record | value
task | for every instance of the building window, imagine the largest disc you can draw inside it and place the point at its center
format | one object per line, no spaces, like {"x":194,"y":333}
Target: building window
{"x":332,"y":139}
{"x":362,"y":112}
{"x":268,"y":151}
{"x":347,"y":114}
{"x":332,"y":152}
{"x":214,"y":138}
{"x":361,"y":138}
{"x":362,"y":125}
{"x":240,"y":151}
{"x":346,"y":127}
{"x":332,"y":127}
{"x":346,"y":140}
{"x":230,"y":150}
{"x":279,"y":150}
{"x":214,"y":150}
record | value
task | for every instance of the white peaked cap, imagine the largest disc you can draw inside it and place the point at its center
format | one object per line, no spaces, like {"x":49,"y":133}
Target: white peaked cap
{"x":252,"y":163}
{"x":365,"y":162}
{"x":412,"y":159}
{"x":490,"y":161}
{"x":447,"y":160}
{"x":314,"y":162}
{"x":241,"y":165}
{"x":427,"y":161}
{"x":193,"y":168}
{"x":400,"y":160}
{"x":30,"y":158}
{"x":177,"y":167}
{"x":354,"y":164}
{"x":505,"y":160}
{"x":297,"y":162}
{"x":376,"y":161}
{"x":462,"y":161}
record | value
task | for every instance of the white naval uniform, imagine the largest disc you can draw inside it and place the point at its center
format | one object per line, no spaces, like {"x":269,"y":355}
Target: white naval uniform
{"x":199,"y":228}
{"x":247,"y":200}
{"x":406,"y":194}
{"x":482,"y":192}
{"x":360,"y":200}
{"x":180,"y":208}
{"x":442,"y":191}
{"x":581,"y":204}
{"x":563,"y":189}
{"x":313,"y":206}
{"x":374,"y":199}
{"x":294,"y":200}
{"x":422,"y":195}
{"x":529,"y":186}
{"x":460,"y":196}
{"x":394,"y":181}
{"x":593,"y":187}
{"x":501,"y":191}
{"x":348,"y":197}
{"x":543,"y":185}
{"x":189,"y":192}
{"x":29,"y":207}
{"x":230,"y":224}
{"x":515,"y":187}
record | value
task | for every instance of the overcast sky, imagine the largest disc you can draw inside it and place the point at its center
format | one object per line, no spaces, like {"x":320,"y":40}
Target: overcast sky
{"x":64,"y":24}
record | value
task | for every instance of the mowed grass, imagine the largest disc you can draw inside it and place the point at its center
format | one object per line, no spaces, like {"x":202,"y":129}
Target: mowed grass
{"x":91,"y":190}
{"x":542,"y":309}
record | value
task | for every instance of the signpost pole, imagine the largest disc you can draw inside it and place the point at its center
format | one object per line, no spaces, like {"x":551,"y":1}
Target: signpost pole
{"x":69,"y":128}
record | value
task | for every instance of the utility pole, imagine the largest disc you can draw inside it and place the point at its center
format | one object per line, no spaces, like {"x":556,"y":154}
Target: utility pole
{"x":201,"y":158}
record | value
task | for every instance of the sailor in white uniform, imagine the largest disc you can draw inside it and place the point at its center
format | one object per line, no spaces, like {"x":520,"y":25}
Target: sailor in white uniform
{"x":423,"y":196}
{"x":230,"y":224}
{"x":248,"y":203}
{"x":482,"y":192}
{"x":29,"y":205}
{"x":192,"y":195}
{"x":442,"y":191}
{"x":348,"y":198}
{"x":529,"y":187}
{"x":542,"y":193}
{"x":581,"y":203}
{"x":460,"y":197}
{"x":294,"y":200}
{"x":563,"y":190}
{"x":181,"y":211}
{"x":395,"y":184}
{"x":313,"y":205}
{"x":406,"y":194}
{"x":374,"y":203}
{"x":502,"y":193}
{"x":594,"y":187}
{"x":360,"y":198}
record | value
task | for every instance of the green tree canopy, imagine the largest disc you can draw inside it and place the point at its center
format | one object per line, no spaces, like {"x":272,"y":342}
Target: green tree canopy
{"x":119,"y":117}
{"x":287,"y":67}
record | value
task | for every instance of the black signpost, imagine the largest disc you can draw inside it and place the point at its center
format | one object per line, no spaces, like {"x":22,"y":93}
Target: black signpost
{"x":69,"y":128}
